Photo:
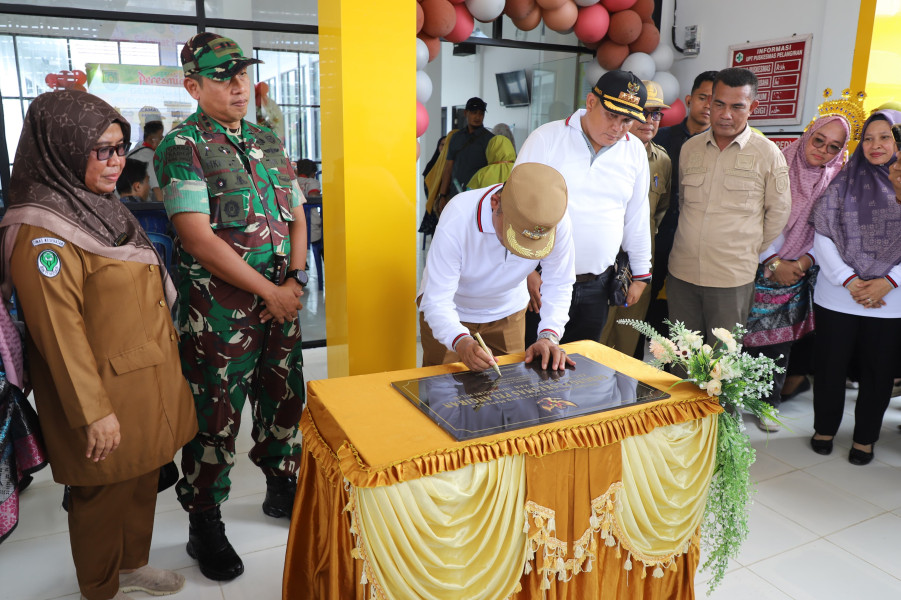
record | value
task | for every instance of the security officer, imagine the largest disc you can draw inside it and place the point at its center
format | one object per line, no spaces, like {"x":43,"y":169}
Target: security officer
{"x":235,"y":204}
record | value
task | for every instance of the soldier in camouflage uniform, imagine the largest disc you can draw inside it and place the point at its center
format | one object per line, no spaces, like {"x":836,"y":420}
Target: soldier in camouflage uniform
{"x":234,"y":201}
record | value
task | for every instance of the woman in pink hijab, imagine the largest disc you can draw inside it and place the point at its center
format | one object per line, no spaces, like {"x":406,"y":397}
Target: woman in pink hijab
{"x":782,"y":311}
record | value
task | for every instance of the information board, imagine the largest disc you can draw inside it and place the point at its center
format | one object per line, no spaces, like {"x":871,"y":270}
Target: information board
{"x":781,"y":67}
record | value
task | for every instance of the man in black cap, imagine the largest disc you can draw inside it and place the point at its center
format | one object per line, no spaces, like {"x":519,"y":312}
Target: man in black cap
{"x":606,"y":172}
{"x":466,"y":153}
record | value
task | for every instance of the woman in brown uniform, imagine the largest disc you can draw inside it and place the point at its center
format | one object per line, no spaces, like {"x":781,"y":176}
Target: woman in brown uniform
{"x":101,"y":347}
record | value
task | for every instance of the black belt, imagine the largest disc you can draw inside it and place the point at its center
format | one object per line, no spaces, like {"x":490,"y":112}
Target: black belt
{"x":586,"y":277}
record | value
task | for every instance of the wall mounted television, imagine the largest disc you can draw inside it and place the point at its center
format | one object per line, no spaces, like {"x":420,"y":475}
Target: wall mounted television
{"x":513,"y":88}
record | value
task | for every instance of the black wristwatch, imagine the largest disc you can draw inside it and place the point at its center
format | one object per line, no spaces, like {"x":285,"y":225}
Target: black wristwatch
{"x":298,"y":275}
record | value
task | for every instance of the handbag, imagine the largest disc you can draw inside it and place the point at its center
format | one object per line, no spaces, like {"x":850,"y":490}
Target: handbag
{"x":622,"y":279}
{"x":781,"y":313}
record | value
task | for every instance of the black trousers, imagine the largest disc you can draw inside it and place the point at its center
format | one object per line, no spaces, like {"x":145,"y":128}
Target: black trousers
{"x":587,"y":311}
{"x":872,"y":343}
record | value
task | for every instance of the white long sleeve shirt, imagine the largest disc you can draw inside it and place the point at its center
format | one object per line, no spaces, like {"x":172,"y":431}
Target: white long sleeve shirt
{"x":471,"y":277}
{"x":830,"y":291}
{"x":608,"y":193}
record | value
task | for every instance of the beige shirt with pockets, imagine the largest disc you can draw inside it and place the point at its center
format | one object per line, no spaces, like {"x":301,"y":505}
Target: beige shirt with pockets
{"x":733,"y":203}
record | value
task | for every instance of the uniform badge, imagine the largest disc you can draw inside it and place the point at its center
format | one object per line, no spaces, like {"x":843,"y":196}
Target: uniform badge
{"x":48,"y":240}
{"x":538,"y":232}
{"x":231,"y":207}
{"x":48,"y":263}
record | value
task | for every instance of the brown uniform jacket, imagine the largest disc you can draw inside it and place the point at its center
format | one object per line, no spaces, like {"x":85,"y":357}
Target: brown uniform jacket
{"x":100,"y":340}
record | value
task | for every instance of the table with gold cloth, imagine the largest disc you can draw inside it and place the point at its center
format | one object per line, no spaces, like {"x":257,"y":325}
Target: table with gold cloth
{"x":597,"y":507}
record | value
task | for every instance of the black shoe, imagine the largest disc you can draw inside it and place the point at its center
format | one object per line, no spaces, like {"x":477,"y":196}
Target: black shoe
{"x":821,"y":446}
{"x":859,"y":457}
{"x":280,"y":492}
{"x":209,"y":546}
{"x":802,"y":387}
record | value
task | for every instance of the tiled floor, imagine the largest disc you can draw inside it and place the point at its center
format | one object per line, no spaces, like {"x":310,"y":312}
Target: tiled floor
{"x":821,"y":529}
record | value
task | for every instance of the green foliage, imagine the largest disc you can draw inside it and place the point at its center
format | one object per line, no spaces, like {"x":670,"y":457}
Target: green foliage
{"x":738,"y":381}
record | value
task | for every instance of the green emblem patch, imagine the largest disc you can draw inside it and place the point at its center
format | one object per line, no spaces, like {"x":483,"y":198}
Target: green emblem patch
{"x":48,"y":263}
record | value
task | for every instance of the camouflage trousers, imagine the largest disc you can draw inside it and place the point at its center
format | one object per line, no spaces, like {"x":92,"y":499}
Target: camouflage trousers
{"x":222,"y":371}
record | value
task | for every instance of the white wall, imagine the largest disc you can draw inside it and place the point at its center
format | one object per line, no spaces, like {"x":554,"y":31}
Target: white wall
{"x":722,"y":23}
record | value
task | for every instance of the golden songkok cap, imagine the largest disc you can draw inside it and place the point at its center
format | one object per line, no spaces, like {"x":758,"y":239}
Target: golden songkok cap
{"x":851,"y":109}
{"x":655,"y":95}
{"x":623,"y":93}
{"x":533,"y":201}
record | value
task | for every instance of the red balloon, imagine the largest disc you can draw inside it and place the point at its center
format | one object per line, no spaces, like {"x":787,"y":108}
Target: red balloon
{"x":457,"y":1}
{"x":439,"y":17}
{"x":561,"y":19}
{"x":615,"y":5}
{"x":422,"y":119}
{"x":517,"y":10}
{"x":420,"y":17}
{"x":432,"y":43}
{"x":645,"y":9}
{"x":611,"y":55}
{"x":80,"y":77}
{"x":625,"y":27}
{"x":551,"y":4}
{"x":51,"y":80}
{"x":674,"y":114}
{"x":592,"y":23}
{"x":530,"y":21}
{"x":463,"y":27}
{"x":648,"y":39}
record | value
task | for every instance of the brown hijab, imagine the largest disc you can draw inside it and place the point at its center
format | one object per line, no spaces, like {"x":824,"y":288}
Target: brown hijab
{"x":47,"y":187}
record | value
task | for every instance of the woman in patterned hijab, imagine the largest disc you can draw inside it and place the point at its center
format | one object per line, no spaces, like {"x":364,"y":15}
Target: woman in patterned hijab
{"x":102,"y":351}
{"x":858,"y":310}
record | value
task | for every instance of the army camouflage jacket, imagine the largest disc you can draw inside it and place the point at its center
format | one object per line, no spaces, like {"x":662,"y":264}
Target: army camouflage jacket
{"x":245,"y":183}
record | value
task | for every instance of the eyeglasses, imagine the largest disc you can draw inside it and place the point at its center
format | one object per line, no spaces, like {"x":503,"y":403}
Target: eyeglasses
{"x":654,"y":115}
{"x":819,"y":142}
{"x":103,"y":153}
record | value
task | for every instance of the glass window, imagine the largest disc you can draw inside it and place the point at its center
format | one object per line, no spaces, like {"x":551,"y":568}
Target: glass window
{"x":158,"y":7}
{"x":92,"y":51}
{"x":9,"y":81}
{"x":296,"y":12}
{"x":38,"y":58}
{"x":139,"y":53}
{"x":13,"y":119}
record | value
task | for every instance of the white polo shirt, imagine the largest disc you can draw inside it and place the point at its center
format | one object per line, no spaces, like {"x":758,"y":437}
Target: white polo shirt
{"x":608,"y":193}
{"x":471,"y":277}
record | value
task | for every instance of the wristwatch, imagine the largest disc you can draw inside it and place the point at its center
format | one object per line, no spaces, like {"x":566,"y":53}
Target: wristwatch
{"x":774,"y":265}
{"x":298,"y":275}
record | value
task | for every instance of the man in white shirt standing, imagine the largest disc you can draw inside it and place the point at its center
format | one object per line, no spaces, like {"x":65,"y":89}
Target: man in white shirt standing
{"x":486,"y":244}
{"x":606,"y":173}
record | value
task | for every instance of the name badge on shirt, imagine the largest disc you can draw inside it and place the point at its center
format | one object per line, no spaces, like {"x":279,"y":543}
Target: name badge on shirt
{"x":47,"y":240}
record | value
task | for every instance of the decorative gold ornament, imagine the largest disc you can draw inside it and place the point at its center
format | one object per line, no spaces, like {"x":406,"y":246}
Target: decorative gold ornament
{"x":849,"y":109}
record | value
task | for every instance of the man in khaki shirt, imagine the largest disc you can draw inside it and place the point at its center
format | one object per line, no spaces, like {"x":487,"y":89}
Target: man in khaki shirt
{"x":734,"y":201}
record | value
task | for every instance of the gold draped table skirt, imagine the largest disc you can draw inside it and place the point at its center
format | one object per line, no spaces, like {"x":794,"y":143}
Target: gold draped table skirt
{"x":599,"y":507}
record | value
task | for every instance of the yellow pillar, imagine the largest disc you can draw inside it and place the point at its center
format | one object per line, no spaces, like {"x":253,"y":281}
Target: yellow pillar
{"x":883,"y":54}
{"x":861,"y":61}
{"x":368,"y":93}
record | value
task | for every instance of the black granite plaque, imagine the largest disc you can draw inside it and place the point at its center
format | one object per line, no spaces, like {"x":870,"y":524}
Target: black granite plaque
{"x":471,"y":404}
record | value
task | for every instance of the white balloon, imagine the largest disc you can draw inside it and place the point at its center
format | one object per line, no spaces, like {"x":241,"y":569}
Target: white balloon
{"x":641,"y":65}
{"x":663,"y":57}
{"x":593,"y":71}
{"x":423,"y":86}
{"x":587,"y":3}
{"x":422,"y":54}
{"x":669,"y":84}
{"x":485,"y":10}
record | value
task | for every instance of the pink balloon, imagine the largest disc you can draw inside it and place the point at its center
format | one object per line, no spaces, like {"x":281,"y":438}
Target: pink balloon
{"x":422,"y":118}
{"x":615,"y":5}
{"x":592,"y":23}
{"x":463,"y":27}
{"x":674,"y":114}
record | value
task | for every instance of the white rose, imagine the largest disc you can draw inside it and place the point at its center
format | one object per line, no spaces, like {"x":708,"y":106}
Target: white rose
{"x":714,"y":387}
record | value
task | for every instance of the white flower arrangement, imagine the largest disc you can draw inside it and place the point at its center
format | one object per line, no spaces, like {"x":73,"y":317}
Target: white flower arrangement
{"x":738,"y":381}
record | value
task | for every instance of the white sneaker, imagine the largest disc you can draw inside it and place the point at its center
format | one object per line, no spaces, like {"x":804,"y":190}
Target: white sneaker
{"x":768,"y":425}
